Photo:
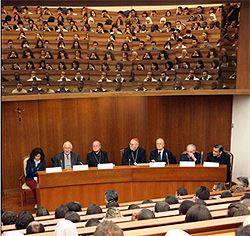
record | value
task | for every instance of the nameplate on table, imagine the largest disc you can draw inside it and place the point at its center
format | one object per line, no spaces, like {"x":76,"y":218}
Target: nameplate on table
{"x":211,"y":164}
{"x":157,"y":164}
{"x":53,"y":169}
{"x":187,"y":164}
{"x":80,"y":167}
{"x":142,"y":164}
{"x":105,"y":166}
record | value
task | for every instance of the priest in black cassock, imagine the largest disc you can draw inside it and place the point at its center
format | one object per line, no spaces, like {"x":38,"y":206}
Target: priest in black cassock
{"x":134,"y":154}
{"x":191,"y":155}
{"x":97,"y":156}
{"x":162,"y":154}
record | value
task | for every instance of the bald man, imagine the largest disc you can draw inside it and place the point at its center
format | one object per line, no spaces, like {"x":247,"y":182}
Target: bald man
{"x":134,"y":154}
{"x":160,"y":154}
{"x":67,"y":158}
{"x":97,"y":156}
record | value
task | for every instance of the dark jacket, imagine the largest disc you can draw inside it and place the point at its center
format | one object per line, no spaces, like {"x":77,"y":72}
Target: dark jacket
{"x":184,"y":157}
{"x":31,"y":170}
{"x":58,"y":159}
{"x":93,"y":160}
{"x":139,"y":156}
{"x":167,"y":156}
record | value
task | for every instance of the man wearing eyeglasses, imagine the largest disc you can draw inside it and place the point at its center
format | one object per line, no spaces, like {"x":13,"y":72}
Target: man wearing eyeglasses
{"x":134,"y":154}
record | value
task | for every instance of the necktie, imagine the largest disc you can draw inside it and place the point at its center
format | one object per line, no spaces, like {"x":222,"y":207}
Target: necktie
{"x":159,"y":156}
{"x":67,"y":157}
{"x":104,"y":80}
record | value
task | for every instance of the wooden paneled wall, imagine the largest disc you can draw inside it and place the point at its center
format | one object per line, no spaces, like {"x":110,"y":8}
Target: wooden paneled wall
{"x":202,"y":120}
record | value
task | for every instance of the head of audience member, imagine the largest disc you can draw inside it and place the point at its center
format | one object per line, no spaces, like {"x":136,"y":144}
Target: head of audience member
{"x":140,"y":88}
{"x":181,"y":192}
{"x":72,"y":216}
{"x":67,"y":147}
{"x":61,"y":211}
{"x":35,"y":227}
{"x":243,"y":231}
{"x":42,"y":211}
{"x":242,"y":181}
{"x":92,"y":222}
{"x":160,"y":144}
{"x":226,"y":194}
{"x":65,"y":228}
{"x":198,"y":213}
{"x":218,"y":186}
{"x":184,"y":206}
{"x":145,"y":214}
{"x":93,"y":209}
{"x":237,"y":209}
{"x":171,"y":199}
{"x":9,"y":218}
{"x":217,"y":150}
{"x":110,"y":196}
{"x":237,"y":189}
{"x":107,"y":228}
{"x":202,"y":192}
{"x":113,"y":212}
{"x":134,"y":144}
{"x":146,"y":201}
{"x":162,"y":206}
{"x":74,"y":206}
{"x":96,"y":145}
{"x":245,"y":196}
{"x":200,"y":201}
{"x":23,"y":220}
{"x":133,"y":206}
{"x":176,"y":232}
{"x":112,"y":204}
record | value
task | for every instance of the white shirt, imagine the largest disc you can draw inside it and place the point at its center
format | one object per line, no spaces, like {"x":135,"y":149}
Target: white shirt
{"x":66,"y":79}
{"x":195,"y":78}
{"x":31,"y":79}
{"x":107,"y":80}
{"x":141,"y":91}
{"x":153,"y":80}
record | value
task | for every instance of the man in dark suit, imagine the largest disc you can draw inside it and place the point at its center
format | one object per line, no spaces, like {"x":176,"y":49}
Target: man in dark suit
{"x":191,"y":155}
{"x":67,"y":158}
{"x":218,"y":155}
{"x":134,"y":154}
{"x":97,"y":156}
{"x":162,"y":154}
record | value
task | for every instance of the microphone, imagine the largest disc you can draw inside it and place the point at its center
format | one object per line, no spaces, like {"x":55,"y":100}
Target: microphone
{"x":129,"y":161}
{"x":61,"y":164}
{"x":201,"y":156}
{"x":81,"y":163}
{"x":167,"y":157}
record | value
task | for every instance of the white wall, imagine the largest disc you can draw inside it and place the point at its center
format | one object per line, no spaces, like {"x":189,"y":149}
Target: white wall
{"x":240,"y":139}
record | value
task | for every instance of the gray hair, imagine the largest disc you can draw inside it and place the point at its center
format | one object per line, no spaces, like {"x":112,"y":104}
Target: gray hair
{"x":69,"y":143}
{"x":111,"y":195}
{"x":161,"y":139}
{"x":243,"y":181}
{"x":191,"y":145}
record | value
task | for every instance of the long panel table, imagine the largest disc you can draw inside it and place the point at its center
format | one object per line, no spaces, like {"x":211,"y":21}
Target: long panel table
{"x":132,"y":183}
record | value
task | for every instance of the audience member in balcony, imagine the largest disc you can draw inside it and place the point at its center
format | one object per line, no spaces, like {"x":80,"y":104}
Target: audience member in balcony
{"x":169,"y":66}
{"x":35,"y":89}
{"x":180,"y":44}
{"x":29,"y":65}
{"x":194,"y":43}
{"x":189,"y":35}
{"x":42,"y":65}
{"x":99,"y":88}
{"x":225,"y":61}
{"x":199,"y":10}
{"x":149,"y":77}
{"x":13,"y":55}
{"x":39,"y":44}
{"x":78,"y":55}
{"x":76,"y":45}
{"x":17,"y":77}
{"x":197,"y":85}
{"x":140,"y":66}
{"x":159,"y":86}
{"x":214,"y":64}
{"x":91,"y":67}
{"x":178,"y":85}
{"x":124,"y":57}
{"x":206,"y":76}
{"x":20,"y":26}
{"x":78,"y":76}
{"x":134,"y":56}
{"x":191,"y":75}
{"x":147,"y":56}
{"x":119,"y":78}
{"x":212,"y":53}
{"x":206,"y":43}
{"x":48,"y":55}
{"x":167,"y":45}
{"x":118,"y":87}
{"x":47,"y":44}
{"x":184,"y":54}
{"x":33,"y":76}
{"x":104,"y":77}
{"x":62,"y":89}
{"x":105,"y":67}
{"x":125,"y":47}
{"x":154,"y":66}
{"x":196,"y":54}
{"x":119,"y":67}
{"x":47,"y":76}
{"x":60,"y":27}
{"x":6,"y":26}
{"x":46,"y":27}
{"x":191,"y":154}
{"x":164,"y":77}
{"x":19,"y":88}
{"x":63,"y":77}
{"x":27,"y":53}
{"x":168,"y":13}
{"x":95,"y":46}
{"x":61,"y":66}
{"x":199,"y":65}
{"x":109,"y":56}
{"x":75,"y":65}
{"x":25,"y":44}
{"x":48,"y":89}
{"x":15,"y":66}
{"x":197,"y":26}
{"x":100,"y":29}
{"x":141,"y":45}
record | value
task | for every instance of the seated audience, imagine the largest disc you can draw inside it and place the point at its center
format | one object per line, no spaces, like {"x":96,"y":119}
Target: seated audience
{"x":93,"y":209}
{"x":198,"y":213}
{"x":72,"y":216}
{"x":133,"y":206}
{"x":191,"y":75}
{"x":8,"y":218}
{"x":181,"y":192}
{"x":92,"y":222}
{"x":42,"y":211}
{"x":162,"y":206}
{"x":242,"y":181}
{"x":218,"y":186}
{"x":146,"y":201}
{"x":23,"y":220}
{"x":35,"y":227}
{"x":110,"y":196}
{"x":237,"y":189}
{"x":99,"y":88}
{"x":107,"y":228}
{"x":145,"y":214}
{"x":61,"y":211}
{"x":184,"y":207}
{"x":19,"y":88}
{"x":237,"y":209}
{"x":243,"y":231}
{"x":62,"y":88}
{"x":74,"y":206}
{"x":226,"y":194}
{"x":65,"y":228}
{"x":202,"y":192}
{"x":170,"y":199}
{"x":113,"y":212}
